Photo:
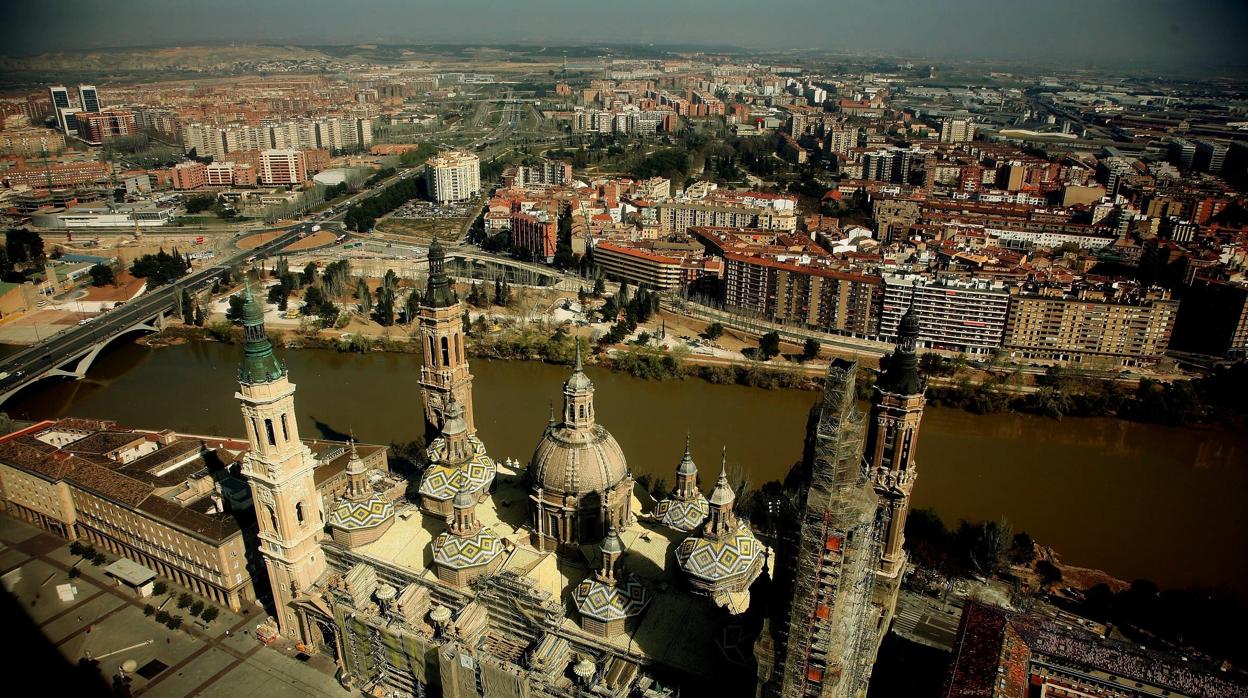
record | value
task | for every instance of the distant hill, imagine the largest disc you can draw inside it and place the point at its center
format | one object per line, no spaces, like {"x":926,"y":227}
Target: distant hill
{"x":197,"y":58}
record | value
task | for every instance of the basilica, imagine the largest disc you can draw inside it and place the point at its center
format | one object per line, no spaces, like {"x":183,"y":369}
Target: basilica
{"x":495,"y":577}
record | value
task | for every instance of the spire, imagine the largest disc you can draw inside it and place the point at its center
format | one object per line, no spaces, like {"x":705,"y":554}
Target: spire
{"x":578,"y":382}
{"x":722,"y":494}
{"x":902,"y":375}
{"x":612,"y":551}
{"x":438,"y":293}
{"x":687,"y":466}
{"x":578,"y":368}
{"x":259,"y":365}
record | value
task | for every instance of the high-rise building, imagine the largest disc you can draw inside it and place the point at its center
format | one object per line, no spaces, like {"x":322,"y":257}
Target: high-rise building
{"x":279,"y":468}
{"x":956,"y":315}
{"x":88,"y":98}
{"x":537,"y":232}
{"x":282,"y":167}
{"x":68,"y":118}
{"x":957,"y":130}
{"x":444,"y":369}
{"x":1089,"y":331}
{"x":60,"y":100}
{"x":1210,"y":156}
{"x":453,"y":176}
{"x":1181,"y":152}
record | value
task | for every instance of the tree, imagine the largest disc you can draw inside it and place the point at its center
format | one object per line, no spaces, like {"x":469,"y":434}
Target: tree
{"x":1022,"y":549}
{"x":149,"y":609}
{"x":210,"y":614}
{"x":713,"y":331}
{"x":23,"y":247}
{"x":235,"y":312}
{"x":411,"y":307}
{"x":810,"y":349}
{"x":600,"y":287}
{"x":384,"y":313}
{"x":184,"y":600}
{"x":160,"y":268}
{"x":174,"y":622}
{"x":1049,"y":573}
{"x":188,"y":308}
{"x":102,"y":275}
{"x":197,"y":608}
{"x":309,"y":274}
{"x":199,"y":316}
{"x":364,"y":296}
{"x":769,"y":345}
{"x":159,"y":588}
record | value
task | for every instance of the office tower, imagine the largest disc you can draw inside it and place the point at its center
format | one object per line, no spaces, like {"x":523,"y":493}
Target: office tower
{"x":60,"y":100}
{"x":89,"y":98}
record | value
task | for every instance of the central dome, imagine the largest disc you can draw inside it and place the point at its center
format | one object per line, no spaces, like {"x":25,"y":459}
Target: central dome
{"x":577,"y":462}
{"x":579,"y":482}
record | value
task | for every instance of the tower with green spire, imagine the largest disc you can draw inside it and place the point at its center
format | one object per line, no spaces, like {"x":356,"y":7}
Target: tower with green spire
{"x":260,"y":364}
{"x":444,"y":368}
{"x":279,"y":469}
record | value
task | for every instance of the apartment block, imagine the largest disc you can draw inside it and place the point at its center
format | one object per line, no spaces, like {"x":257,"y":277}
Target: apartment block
{"x":95,"y":127}
{"x":1089,"y":331}
{"x":959,"y":315}
{"x":809,"y":295}
{"x":453,"y":176}
{"x":31,"y":141}
{"x":282,"y":167}
{"x":537,"y":232}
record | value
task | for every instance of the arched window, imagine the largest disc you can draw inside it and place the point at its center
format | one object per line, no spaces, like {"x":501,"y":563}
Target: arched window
{"x":268,"y":430}
{"x":285,"y":429}
{"x":446,"y":352}
{"x":459,"y":348}
{"x":255,"y":429}
{"x":272,"y":518}
{"x":299,"y":512}
{"x":433,"y":352}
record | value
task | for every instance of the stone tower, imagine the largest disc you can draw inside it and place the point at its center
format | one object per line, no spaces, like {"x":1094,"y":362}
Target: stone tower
{"x":893,"y":435}
{"x":279,"y":468}
{"x":444,"y":371}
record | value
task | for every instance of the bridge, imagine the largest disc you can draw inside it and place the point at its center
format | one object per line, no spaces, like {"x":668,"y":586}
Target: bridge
{"x":71,"y":352}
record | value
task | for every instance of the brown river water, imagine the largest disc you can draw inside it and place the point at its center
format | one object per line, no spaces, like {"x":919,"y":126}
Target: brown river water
{"x":1136,"y":500}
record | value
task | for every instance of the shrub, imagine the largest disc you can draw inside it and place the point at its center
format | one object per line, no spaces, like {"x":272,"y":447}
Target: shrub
{"x":148,"y":609}
{"x":73,"y":572}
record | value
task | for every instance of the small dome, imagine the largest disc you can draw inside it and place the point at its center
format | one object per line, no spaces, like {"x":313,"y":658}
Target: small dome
{"x":611,"y":544}
{"x":687,"y":466}
{"x":578,"y":382}
{"x":351,"y":515}
{"x":577,"y":462}
{"x":465,"y":497}
{"x":453,"y":422}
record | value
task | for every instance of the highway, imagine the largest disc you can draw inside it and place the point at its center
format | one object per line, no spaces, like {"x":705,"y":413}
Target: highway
{"x":67,"y":344}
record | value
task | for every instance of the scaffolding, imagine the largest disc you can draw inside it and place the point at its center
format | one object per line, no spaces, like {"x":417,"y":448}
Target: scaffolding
{"x":832,"y":631}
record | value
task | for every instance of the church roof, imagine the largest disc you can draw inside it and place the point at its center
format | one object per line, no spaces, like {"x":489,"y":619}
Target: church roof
{"x":728,"y":559}
{"x":577,"y":462}
{"x":608,"y":602}
{"x":680,"y":514}
{"x":369,"y":513}
{"x":442,"y":480}
{"x":260,"y":365}
{"x":473,"y":550}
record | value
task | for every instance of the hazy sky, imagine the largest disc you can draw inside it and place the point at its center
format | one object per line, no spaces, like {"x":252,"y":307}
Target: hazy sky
{"x":1187,"y":32}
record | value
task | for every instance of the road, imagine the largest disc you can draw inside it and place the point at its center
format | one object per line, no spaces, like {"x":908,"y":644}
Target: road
{"x":71,"y":342}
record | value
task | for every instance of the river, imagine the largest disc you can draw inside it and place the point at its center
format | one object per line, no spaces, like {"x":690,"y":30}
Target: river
{"x":1133,"y":499}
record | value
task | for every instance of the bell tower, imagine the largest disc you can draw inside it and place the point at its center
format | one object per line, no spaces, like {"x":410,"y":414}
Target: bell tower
{"x":444,"y":370}
{"x":896,"y":413}
{"x":278,"y":466}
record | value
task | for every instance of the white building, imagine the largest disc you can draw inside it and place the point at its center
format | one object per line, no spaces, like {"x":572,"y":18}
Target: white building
{"x":453,"y":176}
{"x":954,"y":314}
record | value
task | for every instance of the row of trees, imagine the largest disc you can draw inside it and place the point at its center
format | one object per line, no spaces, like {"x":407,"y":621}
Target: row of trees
{"x":362,"y":216}
{"x":161,"y":268}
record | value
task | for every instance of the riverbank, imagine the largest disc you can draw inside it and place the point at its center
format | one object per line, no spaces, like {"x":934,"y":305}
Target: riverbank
{"x":1214,"y":400}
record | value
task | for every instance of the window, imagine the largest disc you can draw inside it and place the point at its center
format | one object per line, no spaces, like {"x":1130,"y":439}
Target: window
{"x":446,"y":352}
{"x":459,"y":347}
{"x":285,"y":430}
{"x":582,"y":412}
{"x":299,"y":512}
{"x":433,"y":352}
{"x":268,"y":430}
{"x":255,"y":429}
{"x":273,"y":519}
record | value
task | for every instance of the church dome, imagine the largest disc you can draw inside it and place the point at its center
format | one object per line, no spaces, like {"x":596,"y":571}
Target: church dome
{"x":570,"y":461}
